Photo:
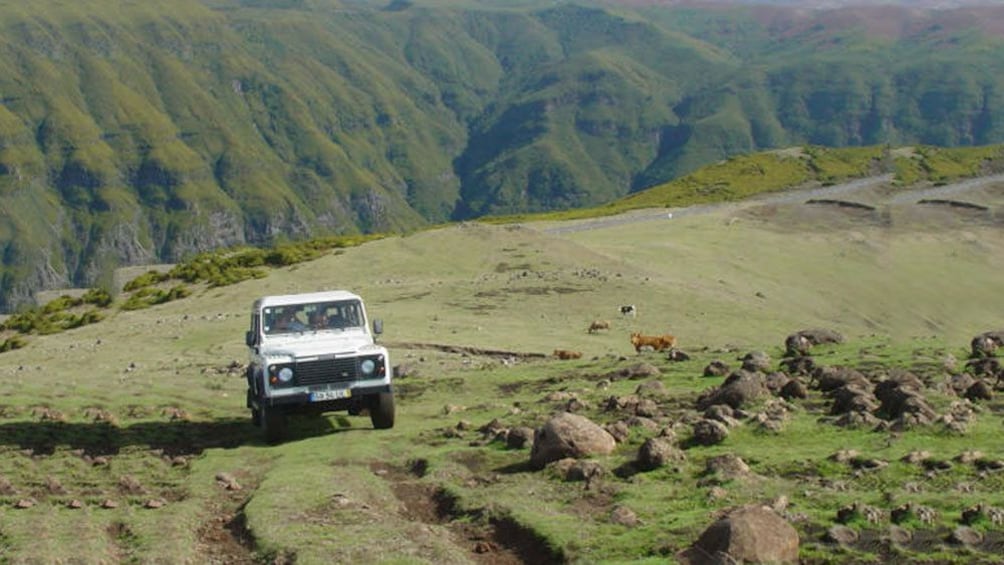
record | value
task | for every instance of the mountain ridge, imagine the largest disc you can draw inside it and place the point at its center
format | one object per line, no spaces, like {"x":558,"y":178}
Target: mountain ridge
{"x":129,"y":135}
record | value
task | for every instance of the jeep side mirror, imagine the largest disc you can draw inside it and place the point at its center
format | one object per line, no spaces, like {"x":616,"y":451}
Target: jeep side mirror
{"x":249,"y":338}
{"x":378,"y":326}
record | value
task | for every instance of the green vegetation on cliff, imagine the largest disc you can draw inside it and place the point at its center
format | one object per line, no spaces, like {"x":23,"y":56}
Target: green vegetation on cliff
{"x":136,"y":133}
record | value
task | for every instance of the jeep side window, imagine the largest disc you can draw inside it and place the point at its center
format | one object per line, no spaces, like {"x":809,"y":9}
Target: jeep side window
{"x":352,"y":314}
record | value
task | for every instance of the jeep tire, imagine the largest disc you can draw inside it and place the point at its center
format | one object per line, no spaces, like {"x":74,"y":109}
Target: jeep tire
{"x":381,"y":408}
{"x":273,"y":423}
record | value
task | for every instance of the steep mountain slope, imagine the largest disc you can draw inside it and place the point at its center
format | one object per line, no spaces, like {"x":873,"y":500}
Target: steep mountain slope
{"x":134,"y":133}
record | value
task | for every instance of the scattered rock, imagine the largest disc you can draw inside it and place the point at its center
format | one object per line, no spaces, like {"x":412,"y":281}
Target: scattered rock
{"x":859,"y":512}
{"x":820,"y":336}
{"x":584,"y":470}
{"x":651,"y":389}
{"x":852,"y":398}
{"x":619,"y":430}
{"x":802,"y":365}
{"x":635,"y":372}
{"x":916,"y":456}
{"x":859,"y":420}
{"x":128,"y":484}
{"x":828,"y":379}
{"x":752,"y":534}
{"x":739,"y":389}
{"x":797,"y":345}
{"x":841,"y":534}
{"x":722,"y":413}
{"x":793,"y":389}
{"x":843,"y":455}
{"x":964,"y":535}
{"x":677,"y":355}
{"x":868,"y":463}
{"x":756,"y":361}
{"x":727,"y":467}
{"x":968,"y":456}
{"x":979,"y":390}
{"x":569,"y":435}
{"x":405,"y":370}
{"x":709,"y":432}
{"x":986,"y":344}
{"x":227,"y":481}
{"x":519,"y":437}
{"x":53,"y":486}
{"x":658,"y":452}
{"x":624,"y":516}
{"x":716,"y":369}
{"x":899,"y":536}
{"x":909,"y":511}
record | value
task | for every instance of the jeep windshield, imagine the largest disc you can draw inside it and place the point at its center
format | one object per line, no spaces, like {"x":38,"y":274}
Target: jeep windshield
{"x":312,"y":317}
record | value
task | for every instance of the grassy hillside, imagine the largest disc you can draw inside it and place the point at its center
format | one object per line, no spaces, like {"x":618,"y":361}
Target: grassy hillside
{"x":129,"y":441}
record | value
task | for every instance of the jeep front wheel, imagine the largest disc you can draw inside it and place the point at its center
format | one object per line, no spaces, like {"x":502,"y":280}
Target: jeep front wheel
{"x":273,"y":422}
{"x":382,"y":410}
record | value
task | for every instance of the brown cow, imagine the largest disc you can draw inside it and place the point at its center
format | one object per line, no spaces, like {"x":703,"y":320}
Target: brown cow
{"x":598,"y":325}
{"x":656,"y":342}
{"x":567,"y":354}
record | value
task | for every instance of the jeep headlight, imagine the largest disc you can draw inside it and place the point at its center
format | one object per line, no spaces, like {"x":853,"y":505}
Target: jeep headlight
{"x":280,"y":374}
{"x":285,"y":375}
{"x":371,"y":367}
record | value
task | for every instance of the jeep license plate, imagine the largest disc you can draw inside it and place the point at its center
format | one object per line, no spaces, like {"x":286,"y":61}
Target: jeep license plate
{"x":336,"y":394}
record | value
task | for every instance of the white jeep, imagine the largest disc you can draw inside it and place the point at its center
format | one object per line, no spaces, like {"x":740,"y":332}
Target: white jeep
{"x":314,"y":353}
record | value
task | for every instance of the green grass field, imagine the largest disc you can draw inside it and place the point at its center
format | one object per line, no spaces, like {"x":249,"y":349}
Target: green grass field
{"x":128,"y":440}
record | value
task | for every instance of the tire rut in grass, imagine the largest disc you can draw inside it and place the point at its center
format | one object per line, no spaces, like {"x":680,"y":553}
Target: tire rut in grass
{"x":488,"y":539}
{"x":123,"y":541}
{"x":225,"y":538}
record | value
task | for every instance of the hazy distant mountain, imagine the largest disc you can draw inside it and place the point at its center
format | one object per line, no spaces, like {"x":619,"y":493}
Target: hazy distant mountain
{"x":144,"y":132}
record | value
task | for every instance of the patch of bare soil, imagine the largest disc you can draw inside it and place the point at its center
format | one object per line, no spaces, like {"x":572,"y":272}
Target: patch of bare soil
{"x":489,"y":540}
{"x":224,"y":537}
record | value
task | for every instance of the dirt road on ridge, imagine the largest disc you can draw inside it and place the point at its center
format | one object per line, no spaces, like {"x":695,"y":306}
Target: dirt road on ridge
{"x":795,"y":196}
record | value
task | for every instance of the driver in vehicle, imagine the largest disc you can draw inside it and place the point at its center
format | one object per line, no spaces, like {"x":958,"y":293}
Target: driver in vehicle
{"x":288,"y":322}
{"x":319,"y":319}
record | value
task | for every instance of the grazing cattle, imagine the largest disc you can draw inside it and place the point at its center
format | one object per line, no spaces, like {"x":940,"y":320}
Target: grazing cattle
{"x":656,"y":342}
{"x":629,"y":310}
{"x":567,"y":354}
{"x":598,"y":325}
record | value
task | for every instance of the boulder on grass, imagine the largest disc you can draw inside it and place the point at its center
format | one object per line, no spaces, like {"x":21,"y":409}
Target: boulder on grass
{"x":750,"y":534}
{"x":569,"y":435}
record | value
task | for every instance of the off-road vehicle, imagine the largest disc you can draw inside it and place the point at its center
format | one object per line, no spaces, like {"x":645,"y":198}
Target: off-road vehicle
{"x":315,"y":353}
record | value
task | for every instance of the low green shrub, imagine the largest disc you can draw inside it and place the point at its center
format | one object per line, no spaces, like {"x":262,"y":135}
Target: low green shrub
{"x":98,"y":297}
{"x":12,"y":343}
{"x":149,"y":296}
{"x":148,"y":278}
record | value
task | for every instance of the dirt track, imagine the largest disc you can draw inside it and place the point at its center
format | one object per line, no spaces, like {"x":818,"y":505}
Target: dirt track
{"x":871,"y":185}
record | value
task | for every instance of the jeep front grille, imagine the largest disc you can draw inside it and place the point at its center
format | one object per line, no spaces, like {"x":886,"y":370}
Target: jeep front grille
{"x":325,"y":371}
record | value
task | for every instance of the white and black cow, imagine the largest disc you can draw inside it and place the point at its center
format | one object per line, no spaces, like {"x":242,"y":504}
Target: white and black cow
{"x":629,"y":310}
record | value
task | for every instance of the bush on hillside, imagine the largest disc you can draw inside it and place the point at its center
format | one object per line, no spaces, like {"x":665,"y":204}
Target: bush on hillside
{"x":148,"y":278}
{"x":149,"y":296}
{"x":12,"y":343}
{"x":98,"y":297}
